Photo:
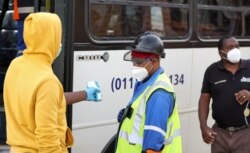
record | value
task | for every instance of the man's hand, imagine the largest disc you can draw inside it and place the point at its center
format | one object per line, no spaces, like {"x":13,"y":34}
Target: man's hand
{"x":93,"y":91}
{"x":242,"y":96}
{"x":208,"y":135}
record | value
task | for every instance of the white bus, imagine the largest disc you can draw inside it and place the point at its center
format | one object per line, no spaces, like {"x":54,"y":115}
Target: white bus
{"x":96,"y":35}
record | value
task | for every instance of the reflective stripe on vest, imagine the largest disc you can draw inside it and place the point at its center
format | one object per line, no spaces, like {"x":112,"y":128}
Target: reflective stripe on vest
{"x":155,"y":128}
{"x":22,"y":10}
{"x":177,"y":133}
{"x":134,"y":138}
{"x":131,"y":138}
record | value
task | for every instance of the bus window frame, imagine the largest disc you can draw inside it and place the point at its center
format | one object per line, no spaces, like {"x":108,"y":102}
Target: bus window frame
{"x":129,"y":40}
{"x":218,"y":8}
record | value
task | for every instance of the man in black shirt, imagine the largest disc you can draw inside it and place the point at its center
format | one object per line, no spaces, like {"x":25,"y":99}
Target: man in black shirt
{"x":227,"y":83}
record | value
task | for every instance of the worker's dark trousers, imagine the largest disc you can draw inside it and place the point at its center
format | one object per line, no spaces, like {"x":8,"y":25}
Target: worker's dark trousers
{"x":231,"y":142}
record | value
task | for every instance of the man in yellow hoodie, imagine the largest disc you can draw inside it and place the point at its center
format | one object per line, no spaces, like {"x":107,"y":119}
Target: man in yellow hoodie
{"x":34,"y":98}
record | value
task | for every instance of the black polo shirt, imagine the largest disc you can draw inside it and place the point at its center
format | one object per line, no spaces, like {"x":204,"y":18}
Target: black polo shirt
{"x":222,"y":85}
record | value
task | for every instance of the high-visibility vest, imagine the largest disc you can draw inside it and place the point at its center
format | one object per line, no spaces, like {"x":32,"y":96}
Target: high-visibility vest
{"x":22,"y":8}
{"x":130,"y":136}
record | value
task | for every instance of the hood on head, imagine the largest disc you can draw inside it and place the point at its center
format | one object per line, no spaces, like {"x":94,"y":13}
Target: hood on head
{"x":42,"y":35}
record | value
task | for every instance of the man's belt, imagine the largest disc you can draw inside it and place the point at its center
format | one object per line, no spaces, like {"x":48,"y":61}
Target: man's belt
{"x":234,"y":129}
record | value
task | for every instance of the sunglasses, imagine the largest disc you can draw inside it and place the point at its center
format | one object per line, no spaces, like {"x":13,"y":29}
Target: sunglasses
{"x":139,"y":61}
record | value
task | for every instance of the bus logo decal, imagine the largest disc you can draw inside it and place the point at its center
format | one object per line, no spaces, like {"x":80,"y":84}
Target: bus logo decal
{"x":103,"y":57}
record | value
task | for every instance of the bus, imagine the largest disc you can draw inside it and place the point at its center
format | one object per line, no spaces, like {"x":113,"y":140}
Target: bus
{"x":97,"y":33}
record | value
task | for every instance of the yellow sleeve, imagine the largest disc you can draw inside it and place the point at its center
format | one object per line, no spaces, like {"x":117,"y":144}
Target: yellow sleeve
{"x":46,"y":117}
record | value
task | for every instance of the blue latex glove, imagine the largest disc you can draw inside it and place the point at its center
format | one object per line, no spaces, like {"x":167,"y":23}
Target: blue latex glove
{"x":93,"y":91}
{"x":120,"y":115}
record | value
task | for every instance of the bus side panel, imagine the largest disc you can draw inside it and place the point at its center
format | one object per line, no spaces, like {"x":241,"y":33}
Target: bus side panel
{"x":94,"y":123}
{"x":202,"y":58}
{"x":182,"y":62}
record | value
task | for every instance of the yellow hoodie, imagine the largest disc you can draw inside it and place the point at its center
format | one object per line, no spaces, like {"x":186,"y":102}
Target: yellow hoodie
{"x":34,"y":99}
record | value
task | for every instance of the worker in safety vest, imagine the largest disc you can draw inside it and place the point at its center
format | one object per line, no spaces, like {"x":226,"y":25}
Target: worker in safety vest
{"x":150,"y":122}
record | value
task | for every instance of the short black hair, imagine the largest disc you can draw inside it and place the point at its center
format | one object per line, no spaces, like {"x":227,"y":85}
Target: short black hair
{"x":222,"y":40}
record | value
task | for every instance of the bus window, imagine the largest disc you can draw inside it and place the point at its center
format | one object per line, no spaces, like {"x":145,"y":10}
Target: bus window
{"x":157,"y":23}
{"x":123,"y":20}
{"x":217,"y":18}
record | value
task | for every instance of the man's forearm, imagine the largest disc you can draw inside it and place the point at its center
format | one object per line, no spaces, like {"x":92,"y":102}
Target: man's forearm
{"x":75,"y":97}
